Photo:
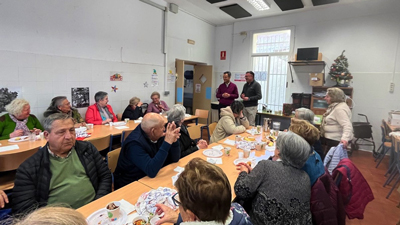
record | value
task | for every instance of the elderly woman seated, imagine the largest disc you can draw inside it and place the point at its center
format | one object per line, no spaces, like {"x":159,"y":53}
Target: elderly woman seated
{"x":157,"y":106}
{"x":134,"y":110}
{"x":232,"y":122}
{"x":18,"y":121}
{"x":308,"y":115}
{"x":177,"y":114}
{"x":60,"y":104}
{"x":278,"y":191}
{"x":314,"y":166}
{"x":204,"y":197}
{"x":100,"y":112}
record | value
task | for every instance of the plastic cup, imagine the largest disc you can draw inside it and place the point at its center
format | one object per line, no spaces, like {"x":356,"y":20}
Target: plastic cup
{"x":114,"y":214}
{"x":89,"y":126}
{"x":258,"y":146}
{"x":227,"y":151}
{"x":258,"y":129}
{"x":276,"y":125}
{"x":238,"y":138}
{"x":32,"y":136}
{"x":240,"y":155}
{"x":246,"y":153}
{"x":126,"y":120}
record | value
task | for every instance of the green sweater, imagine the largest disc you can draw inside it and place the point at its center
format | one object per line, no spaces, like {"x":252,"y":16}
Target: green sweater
{"x":7,"y":125}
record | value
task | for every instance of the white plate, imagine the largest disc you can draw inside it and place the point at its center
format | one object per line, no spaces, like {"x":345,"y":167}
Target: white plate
{"x":100,"y":218}
{"x":255,"y":133}
{"x":212,"y":153}
{"x":244,"y":160}
{"x":22,"y":138}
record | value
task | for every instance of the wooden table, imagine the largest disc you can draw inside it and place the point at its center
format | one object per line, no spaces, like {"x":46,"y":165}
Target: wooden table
{"x":391,"y":127}
{"x":130,"y":193}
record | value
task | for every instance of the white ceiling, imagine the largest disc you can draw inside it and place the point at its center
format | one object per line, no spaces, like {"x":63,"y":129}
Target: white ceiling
{"x":213,"y":15}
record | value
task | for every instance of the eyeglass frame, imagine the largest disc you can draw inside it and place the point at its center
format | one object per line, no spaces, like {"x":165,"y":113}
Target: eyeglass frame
{"x":176,"y":202}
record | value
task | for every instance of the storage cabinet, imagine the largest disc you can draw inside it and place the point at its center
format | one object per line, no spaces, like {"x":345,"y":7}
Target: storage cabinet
{"x":318,"y":103}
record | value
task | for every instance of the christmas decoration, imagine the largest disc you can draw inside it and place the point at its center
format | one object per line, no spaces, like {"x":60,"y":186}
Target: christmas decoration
{"x":339,"y":71}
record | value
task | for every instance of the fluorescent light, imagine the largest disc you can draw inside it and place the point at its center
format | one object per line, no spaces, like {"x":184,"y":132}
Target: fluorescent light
{"x":260,"y":5}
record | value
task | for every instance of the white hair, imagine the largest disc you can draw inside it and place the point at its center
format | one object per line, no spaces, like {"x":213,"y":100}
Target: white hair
{"x":16,"y":106}
{"x":176,"y":113}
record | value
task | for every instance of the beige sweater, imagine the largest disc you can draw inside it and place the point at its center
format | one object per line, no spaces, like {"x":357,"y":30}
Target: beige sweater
{"x":337,"y":125}
{"x":227,"y":125}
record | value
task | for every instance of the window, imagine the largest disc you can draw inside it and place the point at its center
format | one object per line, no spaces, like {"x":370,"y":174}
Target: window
{"x":270,"y":55}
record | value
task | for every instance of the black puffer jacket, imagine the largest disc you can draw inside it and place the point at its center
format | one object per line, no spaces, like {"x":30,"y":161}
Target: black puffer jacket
{"x":33,"y":177}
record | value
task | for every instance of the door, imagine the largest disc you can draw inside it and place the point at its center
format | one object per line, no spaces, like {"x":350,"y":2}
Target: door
{"x":202,"y":85}
{"x":179,"y":84}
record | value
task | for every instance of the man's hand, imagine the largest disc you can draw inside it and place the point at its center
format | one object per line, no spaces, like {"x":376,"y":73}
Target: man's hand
{"x":3,"y":199}
{"x":226,"y":95}
{"x":246,"y":98}
{"x":243,"y":96}
{"x":172,"y":133}
{"x":16,"y":133}
{"x":170,"y":216}
{"x":202,"y":144}
{"x":243,"y":167}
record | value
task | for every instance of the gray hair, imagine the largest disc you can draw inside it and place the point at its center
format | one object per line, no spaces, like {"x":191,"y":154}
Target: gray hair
{"x":305,"y":114}
{"x":134,"y":101}
{"x":155,"y":93}
{"x":16,"y":106}
{"x":100,"y":96}
{"x":176,"y":114}
{"x":293,"y":149}
{"x":48,"y":121}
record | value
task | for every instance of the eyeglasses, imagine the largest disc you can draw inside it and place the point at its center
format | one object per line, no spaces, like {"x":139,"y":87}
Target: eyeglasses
{"x":175,"y":199}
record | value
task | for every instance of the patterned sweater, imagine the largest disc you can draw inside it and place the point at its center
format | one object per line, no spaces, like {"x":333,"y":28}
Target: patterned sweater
{"x":278,"y":193}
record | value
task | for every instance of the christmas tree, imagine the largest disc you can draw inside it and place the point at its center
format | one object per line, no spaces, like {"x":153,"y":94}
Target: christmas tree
{"x":339,"y":71}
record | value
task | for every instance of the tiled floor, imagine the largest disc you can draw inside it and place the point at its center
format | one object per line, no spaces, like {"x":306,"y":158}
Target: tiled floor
{"x":380,"y":210}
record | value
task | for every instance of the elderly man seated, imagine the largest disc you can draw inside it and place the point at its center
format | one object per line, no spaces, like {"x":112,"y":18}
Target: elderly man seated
{"x":63,"y":171}
{"x":60,"y":104}
{"x":146,"y":150}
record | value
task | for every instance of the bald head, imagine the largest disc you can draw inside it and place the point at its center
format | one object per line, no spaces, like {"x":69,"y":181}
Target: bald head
{"x":152,"y":120}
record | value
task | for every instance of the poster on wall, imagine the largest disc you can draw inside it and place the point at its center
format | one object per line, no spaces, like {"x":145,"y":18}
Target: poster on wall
{"x":171,"y":77}
{"x":154,"y":78}
{"x":116,"y":76}
{"x":239,"y":77}
{"x":198,"y":88}
{"x":7,"y":95}
{"x":80,"y":97}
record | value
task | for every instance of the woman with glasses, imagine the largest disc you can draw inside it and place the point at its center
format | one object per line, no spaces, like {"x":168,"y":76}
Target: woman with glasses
{"x":157,"y":106}
{"x":204,"y":197}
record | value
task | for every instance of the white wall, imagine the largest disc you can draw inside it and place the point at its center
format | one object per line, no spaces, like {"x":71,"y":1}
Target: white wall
{"x":48,"y":47}
{"x":368,"y":31}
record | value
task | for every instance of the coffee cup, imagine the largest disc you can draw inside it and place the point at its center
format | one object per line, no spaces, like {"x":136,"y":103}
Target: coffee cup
{"x":113,"y":211}
{"x":246,"y":153}
{"x":227,"y":151}
{"x":126,"y":120}
{"x":238,"y":138}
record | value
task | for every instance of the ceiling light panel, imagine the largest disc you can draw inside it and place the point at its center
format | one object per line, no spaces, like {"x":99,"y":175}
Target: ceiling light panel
{"x":260,"y":5}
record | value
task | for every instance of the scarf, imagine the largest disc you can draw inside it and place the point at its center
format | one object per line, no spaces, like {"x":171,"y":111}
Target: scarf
{"x":331,"y":107}
{"x":104,"y":113}
{"x":21,"y":125}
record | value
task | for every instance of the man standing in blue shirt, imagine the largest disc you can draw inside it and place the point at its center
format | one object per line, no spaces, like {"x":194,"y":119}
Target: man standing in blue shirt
{"x":146,"y":150}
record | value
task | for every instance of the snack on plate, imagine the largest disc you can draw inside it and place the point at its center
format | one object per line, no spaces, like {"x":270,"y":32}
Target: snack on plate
{"x":139,"y":222}
{"x":17,"y":138}
{"x":112,"y":206}
{"x":249,"y":139}
{"x":249,"y":163}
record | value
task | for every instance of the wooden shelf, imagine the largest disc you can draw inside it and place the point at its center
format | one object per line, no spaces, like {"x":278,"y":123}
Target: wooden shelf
{"x":307,"y":63}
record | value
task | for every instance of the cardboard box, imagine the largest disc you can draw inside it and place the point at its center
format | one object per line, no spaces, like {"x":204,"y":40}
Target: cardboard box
{"x":316,"y":79}
{"x":394,"y":118}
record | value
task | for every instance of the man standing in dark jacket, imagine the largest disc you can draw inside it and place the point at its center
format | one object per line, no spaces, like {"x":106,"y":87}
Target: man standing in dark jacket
{"x":63,"y":171}
{"x":146,"y":150}
{"x":251,"y":94}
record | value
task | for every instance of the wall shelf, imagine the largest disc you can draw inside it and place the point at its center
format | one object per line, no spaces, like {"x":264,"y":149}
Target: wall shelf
{"x":306,"y":63}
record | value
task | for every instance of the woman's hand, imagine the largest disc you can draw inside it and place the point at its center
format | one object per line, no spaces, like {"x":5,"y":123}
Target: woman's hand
{"x":3,"y":199}
{"x":139,"y":104}
{"x":244,"y":167}
{"x":202,"y":144}
{"x":16,"y":133}
{"x":344,"y":142}
{"x":170,"y":216}
{"x":106,"y":121}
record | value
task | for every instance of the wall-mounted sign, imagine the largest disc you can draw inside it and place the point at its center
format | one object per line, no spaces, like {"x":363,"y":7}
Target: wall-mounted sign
{"x":192,"y":42}
{"x":239,"y":77}
{"x":223,"y":55}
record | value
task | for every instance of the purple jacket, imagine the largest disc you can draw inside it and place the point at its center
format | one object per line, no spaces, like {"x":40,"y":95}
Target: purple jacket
{"x":153,"y":108}
{"x":231,"y":89}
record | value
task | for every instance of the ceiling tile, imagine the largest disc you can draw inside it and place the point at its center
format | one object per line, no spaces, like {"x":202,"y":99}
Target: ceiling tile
{"x":289,"y":4}
{"x":236,"y":11}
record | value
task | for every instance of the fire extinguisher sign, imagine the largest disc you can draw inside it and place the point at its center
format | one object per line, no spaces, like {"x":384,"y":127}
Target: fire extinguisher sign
{"x":223,"y":55}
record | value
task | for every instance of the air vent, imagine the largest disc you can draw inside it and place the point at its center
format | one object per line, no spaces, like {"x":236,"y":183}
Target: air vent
{"x":286,"y":5}
{"x":215,"y":1}
{"x":323,"y":2}
{"x":236,"y":11}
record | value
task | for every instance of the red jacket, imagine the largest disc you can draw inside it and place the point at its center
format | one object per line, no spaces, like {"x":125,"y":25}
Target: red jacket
{"x":355,"y":190}
{"x":93,"y":115}
{"x":326,"y":202}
